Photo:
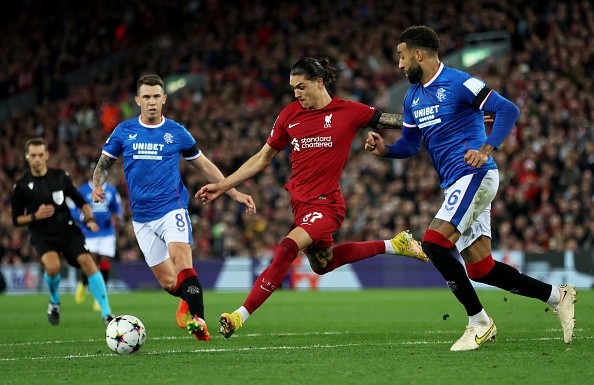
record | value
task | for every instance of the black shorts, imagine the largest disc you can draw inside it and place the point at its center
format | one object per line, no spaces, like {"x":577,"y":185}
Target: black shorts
{"x":70,"y":244}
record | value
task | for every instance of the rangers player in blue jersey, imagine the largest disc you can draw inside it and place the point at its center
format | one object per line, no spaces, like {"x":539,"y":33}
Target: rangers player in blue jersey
{"x":444,"y":109}
{"x":103,"y":242}
{"x":150,"y":146}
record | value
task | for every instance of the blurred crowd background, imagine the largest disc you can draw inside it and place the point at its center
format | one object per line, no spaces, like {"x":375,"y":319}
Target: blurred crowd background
{"x":242,"y":52}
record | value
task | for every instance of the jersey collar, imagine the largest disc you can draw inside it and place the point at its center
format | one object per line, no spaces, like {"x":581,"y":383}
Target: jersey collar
{"x":152,"y":125}
{"x":434,"y":76}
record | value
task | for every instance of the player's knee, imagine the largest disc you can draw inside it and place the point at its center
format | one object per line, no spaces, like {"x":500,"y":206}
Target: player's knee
{"x":87,"y":264}
{"x":434,"y":244}
{"x":168,"y":286}
{"x":51,"y":263}
{"x":52,"y":270}
{"x":478,"y":270}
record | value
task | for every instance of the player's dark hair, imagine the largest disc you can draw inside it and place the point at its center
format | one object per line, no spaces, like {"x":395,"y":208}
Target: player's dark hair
{"x":312,"y":69}
{"x":149,"y":80}
{"x":35,"y":142}
{"x":420,"y":36}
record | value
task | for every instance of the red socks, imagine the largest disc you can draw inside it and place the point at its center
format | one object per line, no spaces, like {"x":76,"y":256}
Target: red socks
{"x":350,"y":252}
{"x":273,"y":276}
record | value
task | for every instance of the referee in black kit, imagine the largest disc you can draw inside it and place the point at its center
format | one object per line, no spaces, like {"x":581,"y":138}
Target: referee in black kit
{"x":39,"y":201}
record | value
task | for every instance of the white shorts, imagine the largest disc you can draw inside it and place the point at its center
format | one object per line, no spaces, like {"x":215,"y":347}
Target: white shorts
{"x":467,"y":206}
{"x":154,"y":236}
{"x":102,"y":245}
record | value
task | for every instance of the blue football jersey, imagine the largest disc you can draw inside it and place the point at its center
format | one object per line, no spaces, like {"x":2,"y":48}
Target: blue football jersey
{"x":151,"y":157}
{"x":102,"y":211}
{"x":446,"y":114}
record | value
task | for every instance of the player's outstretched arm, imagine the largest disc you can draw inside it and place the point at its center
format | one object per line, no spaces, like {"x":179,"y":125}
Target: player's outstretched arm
{"x":100,"y":176}
{"x":389,"y":120}
{"x":251,"y":167}
{"x":213,"y":174}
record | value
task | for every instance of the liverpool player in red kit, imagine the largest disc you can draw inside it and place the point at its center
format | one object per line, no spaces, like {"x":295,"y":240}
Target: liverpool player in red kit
{"x":320,"y":129}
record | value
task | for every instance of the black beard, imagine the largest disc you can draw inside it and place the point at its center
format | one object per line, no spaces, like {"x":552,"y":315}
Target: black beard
{"x":415,"y":74}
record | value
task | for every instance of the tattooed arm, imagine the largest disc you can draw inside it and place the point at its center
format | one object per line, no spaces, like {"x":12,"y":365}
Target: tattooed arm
{"x":388,"y":120}
{"x":100,"y":176}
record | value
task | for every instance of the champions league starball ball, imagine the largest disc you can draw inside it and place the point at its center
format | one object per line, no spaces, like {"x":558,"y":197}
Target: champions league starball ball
{"x":125,"y":334}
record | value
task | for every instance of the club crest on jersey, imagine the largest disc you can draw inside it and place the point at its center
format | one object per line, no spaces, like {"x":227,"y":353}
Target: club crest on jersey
{"x":58,"y":197}
{"x":168,"y":138}
{"x":441,"y":95}
{"x":295,"y":144}
{"x":328,"y":120}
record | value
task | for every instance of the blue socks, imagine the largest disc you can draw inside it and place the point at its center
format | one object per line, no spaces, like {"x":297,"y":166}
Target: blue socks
{"x":99,"y":291}
{"x":52,"y":284}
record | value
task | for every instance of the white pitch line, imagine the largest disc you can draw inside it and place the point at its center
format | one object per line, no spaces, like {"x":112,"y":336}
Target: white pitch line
{"x":222,"y":350}
{"x":256,"y":335}
{"x":267,"y":348}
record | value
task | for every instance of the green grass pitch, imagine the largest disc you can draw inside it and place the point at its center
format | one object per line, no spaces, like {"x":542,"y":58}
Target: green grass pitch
{"x":391,"y":336}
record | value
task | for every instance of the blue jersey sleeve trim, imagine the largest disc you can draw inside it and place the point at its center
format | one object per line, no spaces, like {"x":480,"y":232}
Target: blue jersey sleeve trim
{"x":108,"y":154}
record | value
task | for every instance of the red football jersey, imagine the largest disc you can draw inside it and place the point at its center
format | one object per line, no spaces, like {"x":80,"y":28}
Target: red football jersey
{"x":320,"y":142}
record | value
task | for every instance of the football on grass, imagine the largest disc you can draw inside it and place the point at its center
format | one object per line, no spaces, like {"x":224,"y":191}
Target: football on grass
{"x":125,"y":334}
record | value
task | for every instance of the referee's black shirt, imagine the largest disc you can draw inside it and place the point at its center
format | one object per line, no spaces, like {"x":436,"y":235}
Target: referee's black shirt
{"x":30,"y":192}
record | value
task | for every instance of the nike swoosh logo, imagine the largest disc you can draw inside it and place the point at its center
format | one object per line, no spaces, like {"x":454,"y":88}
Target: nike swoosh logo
{"x":481,"y":339}
{"x":263,"y":288}
{"x":293,"y":125}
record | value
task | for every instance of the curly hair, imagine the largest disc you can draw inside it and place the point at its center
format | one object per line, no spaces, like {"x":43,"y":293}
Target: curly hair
{"x":420,"y":36}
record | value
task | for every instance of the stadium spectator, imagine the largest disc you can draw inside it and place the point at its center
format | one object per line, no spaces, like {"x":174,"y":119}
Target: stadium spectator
{"x":39,"y":202}
{"x":443,"y":108}
{"x":151,"y":146}
{"x":318,"y":128}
